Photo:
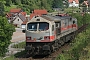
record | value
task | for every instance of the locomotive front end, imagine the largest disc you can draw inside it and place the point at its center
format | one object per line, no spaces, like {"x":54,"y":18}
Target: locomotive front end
{"x":38,"y":35}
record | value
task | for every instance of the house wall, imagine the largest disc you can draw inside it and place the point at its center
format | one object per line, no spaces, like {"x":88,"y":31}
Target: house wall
{"x":18,"y":21}
{"x":23,"y":26}
{"x":74,"y":4}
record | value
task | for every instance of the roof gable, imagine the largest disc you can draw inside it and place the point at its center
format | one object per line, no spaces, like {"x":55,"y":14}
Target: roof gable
{"x":21,"y":17}
{"x":24,"y":22}
{"x":23,"y":13}
{"x":32,"y":15}
{"x":8,"y":15}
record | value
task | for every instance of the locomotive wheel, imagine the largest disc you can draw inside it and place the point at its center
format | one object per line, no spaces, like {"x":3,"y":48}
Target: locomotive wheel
{"x":54,"y":47}
{"x":61,"y":41}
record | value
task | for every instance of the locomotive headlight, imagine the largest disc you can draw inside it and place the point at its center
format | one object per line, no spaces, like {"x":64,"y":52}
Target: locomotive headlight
{"x":28,"y":38}
{"x":46,"y":37}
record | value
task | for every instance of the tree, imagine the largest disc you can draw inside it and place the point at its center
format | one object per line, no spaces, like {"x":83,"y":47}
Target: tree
{"x":16,"y":2}
{"x":80,"y":1}
{"x":57,"y":4}
{"x":6,"y":31}
{"x":2,"y":9}
{"x":8,"y":2}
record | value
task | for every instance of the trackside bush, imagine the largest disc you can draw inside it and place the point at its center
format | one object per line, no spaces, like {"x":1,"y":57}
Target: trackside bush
{"x":80,"y":41}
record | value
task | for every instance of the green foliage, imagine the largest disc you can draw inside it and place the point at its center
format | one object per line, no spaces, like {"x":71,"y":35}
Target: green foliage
{"x":80,"y":42}
{"x":30,"y":5}
{"x":20,"y":45}
{"x":57,"y":3}
{"x":2,"y":9}
{"x":10,"y":58}
{"x":19,"y":54}
{"x":7,"y":8}
{"x":60,"y":57}
{"x":79,"y":18}
{"x":1,"y":58}
{"x":17,"y":2}
{"x":8,"y":2}
{"x":6,"y":31}
{"x":81,"y":1}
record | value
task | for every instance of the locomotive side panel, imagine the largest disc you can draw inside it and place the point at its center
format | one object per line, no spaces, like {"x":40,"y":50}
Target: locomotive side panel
{"x":64,"y":25}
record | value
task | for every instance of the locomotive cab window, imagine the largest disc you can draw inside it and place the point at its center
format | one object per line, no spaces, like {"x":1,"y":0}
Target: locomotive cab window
{"x":32,"y":26}
{"x":43,"y":26}
{"x":38,"y":26}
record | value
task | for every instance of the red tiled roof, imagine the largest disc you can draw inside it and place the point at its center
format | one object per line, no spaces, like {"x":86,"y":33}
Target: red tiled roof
{"x":15,"y":10}
{"x":8,"y":15}
{"x":70,"y":1}
{"x":23,"y":13}
{"x":40,"y":12}
{"x":24,"y":22}
{"x":32,"y":15}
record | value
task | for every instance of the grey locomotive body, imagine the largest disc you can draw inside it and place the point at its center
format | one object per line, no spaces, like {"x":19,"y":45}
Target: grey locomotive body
{"x":44,"y":34}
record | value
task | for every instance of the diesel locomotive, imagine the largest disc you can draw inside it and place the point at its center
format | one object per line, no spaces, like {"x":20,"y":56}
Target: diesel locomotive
{"x":45,"y":34}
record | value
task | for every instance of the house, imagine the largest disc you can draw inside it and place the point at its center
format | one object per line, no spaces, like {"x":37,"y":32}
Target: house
{"x":38,"y":12}
{"x":23,"y":25}
{"x":16,"y":17}
{"x":19,"y":19}
{"x":86,"y":4}
{"x":73,"y":3}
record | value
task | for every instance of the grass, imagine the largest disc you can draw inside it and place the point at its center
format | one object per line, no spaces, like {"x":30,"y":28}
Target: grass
{"x":86,"y":55}
{"x":10,"y":58}
{"x":17,"y":55}
{"x":19,"y":45}
{"x":1,"y":58}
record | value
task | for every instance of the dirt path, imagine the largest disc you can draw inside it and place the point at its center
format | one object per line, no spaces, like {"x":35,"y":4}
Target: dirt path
{"x":18,"y":36}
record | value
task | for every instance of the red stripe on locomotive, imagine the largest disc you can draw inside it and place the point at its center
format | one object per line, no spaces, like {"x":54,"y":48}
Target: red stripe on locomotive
{"x":46,"y":39}
{"x":68,"y":27}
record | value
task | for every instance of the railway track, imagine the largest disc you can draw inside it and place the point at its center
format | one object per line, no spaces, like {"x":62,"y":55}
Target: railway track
{"x":54,"y":54}
{"x":45,"y":57}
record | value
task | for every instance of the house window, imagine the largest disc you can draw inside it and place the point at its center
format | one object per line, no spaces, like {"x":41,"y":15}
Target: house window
{"x":18,"y":19}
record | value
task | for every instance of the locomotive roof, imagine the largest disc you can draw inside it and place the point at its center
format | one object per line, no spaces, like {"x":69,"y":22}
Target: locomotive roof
{"x":55,"y":18}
